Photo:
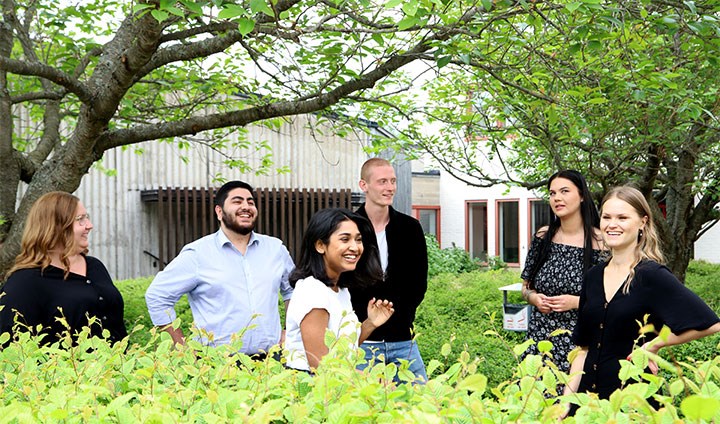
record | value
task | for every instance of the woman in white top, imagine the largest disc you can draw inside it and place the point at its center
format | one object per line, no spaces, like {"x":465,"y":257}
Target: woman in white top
{"x":332,"y":257}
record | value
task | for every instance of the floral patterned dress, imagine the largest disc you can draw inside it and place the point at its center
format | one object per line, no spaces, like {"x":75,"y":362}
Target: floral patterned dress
{"x":562,"y":273}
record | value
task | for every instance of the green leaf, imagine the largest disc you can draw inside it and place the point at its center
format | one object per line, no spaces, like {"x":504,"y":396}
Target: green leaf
{"x":407,"y":22}
{"x":696,"y":407}
{"x":597,"y":100}
{"x":175,"y":11}
{"x":142,"y":6}
{"x":393,"y":3}
{"x":473,"y":383}
{"x":193,"y":6}
{"x":443,"y":61}
{"x":159,"y":15}
{"x":676,"y":387}
{"x":245,"y":26}
{"x":487,"y":4}
{"x":544,"y":346}
{"x":571,"y":7}
{"x":261,"y":6}
{"x":231,"y":11}
{"x":522,"y":347}
{"x":445,"y":350}
{"x":410,"y":7}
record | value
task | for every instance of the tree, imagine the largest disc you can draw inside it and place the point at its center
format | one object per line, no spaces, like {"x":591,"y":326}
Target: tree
{"x":100,"y":75}
{"x":623,"y":91}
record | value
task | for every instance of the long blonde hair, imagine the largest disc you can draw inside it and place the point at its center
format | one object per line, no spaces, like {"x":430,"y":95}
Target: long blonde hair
{"x":648,"y":244}
{"x":49,"y":225}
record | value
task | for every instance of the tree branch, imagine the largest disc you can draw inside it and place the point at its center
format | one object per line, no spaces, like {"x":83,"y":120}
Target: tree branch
{"x":48,"y":72}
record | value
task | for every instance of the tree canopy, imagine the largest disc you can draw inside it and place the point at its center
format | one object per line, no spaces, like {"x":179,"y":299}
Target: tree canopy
{"x":626,"y":92}
{"x":93,"y":76}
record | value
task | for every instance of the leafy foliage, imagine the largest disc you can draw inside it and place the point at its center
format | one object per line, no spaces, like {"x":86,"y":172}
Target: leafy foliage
{"x":449,"y":260}
{"x":94,"y":382}
{"x":471,"y":379}
{"x":624,"y":91}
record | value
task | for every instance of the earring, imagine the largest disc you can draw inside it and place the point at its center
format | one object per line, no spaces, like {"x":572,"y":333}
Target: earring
{"x":640,"y":234}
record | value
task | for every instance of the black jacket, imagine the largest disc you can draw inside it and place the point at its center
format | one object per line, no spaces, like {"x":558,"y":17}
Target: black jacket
{"x":405,"y":281}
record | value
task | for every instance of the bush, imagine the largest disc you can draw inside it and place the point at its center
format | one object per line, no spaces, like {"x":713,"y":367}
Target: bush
{"x":136,"y":313}
{"x":467,"y":308}
{"x":450,"y":260}
{"x":476,"y":378}
{"x":97,"y":383}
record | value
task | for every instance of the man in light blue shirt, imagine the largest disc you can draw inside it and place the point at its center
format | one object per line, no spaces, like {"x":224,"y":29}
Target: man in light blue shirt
{"x":232,"y":279}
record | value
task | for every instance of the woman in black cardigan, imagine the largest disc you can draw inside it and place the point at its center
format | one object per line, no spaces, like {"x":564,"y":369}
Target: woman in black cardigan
{"x":54,"y":287}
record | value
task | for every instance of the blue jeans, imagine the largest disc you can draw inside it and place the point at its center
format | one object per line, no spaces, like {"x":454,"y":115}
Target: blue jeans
{"x":392,"y":352}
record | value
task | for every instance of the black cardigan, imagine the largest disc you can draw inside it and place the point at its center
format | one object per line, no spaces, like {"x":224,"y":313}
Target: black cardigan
{"x":36,"y":295}
{"x":405,"y":281}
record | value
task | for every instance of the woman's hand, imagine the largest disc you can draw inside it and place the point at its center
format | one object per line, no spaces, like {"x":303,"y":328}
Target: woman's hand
{"x":540,"y":301}
{"x":652,"y":348}
{"x":379,"y":311}
{"x":562,"y":303}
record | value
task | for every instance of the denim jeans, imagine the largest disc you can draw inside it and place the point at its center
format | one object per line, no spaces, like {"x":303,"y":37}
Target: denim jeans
{"x":392,"y":352}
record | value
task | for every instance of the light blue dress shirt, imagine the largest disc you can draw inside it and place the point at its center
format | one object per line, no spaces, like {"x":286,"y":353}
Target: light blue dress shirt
{"x":227,"y":291}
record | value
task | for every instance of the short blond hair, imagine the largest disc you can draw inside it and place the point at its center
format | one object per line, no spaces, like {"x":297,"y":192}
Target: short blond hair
{"x":370,"y":164}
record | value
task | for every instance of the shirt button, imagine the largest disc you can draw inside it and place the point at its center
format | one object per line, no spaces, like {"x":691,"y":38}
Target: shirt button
{"x":87,"y":281}
{"x":104,"y":317}
{"x":599,"y":345}
{"x":594,"y":386}
{"x":101,"y":298}
{"x":595,"y":367}
{"x":605,"y":305}
{"x":601,"y":326}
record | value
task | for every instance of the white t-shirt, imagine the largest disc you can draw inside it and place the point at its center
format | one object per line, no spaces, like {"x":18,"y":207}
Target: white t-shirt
{"x":311,"y":293}
{"x":383,"y":248}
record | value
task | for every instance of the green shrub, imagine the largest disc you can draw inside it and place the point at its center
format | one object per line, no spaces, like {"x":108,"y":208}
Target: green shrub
{"x":467,"y":308}
{"x":450,"y":260}
{"x":136,"y":313}
{"x":156,"y":383}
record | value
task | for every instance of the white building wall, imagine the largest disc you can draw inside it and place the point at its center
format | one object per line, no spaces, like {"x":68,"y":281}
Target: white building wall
{"x":453,"y":197}
{"x":707,"y":247}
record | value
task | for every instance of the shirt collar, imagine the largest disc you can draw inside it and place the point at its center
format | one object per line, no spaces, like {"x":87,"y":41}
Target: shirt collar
{"x":222,"y":239}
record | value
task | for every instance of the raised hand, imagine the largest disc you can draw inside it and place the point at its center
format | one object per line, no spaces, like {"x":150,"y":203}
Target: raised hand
{"x":379,"y":311}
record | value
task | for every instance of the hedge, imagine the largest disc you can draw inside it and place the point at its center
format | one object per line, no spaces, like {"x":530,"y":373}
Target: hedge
{"x":144,"y":379}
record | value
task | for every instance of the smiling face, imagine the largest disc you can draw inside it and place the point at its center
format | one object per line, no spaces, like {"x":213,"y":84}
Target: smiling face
{"x":343,"y":250}
{"x":238,"y":213}
{"x":81,"y":228}
{"x":620,"y":224}
{"x":565,"y":197}
{"x":380,"y":185}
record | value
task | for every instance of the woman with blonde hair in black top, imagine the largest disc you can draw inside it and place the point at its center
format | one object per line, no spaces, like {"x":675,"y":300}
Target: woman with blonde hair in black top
{"x":619,"y":294}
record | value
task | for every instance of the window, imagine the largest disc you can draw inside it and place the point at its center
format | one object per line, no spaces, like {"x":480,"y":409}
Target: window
{"x":477,"y":230}
{"x":508,"y":231}
{"x":540,"y":215}
{"x":429,"y":217}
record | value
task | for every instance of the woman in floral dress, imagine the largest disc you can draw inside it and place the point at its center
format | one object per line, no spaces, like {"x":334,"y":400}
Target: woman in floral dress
{"x":559,"y":256}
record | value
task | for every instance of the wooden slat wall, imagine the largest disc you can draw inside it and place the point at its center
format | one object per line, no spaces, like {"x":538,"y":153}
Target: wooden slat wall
{"x":186,"y":214}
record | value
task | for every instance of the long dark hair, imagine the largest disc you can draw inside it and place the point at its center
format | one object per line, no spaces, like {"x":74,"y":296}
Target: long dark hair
{"x":321,"y":226}
{"x":590,"y":220}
